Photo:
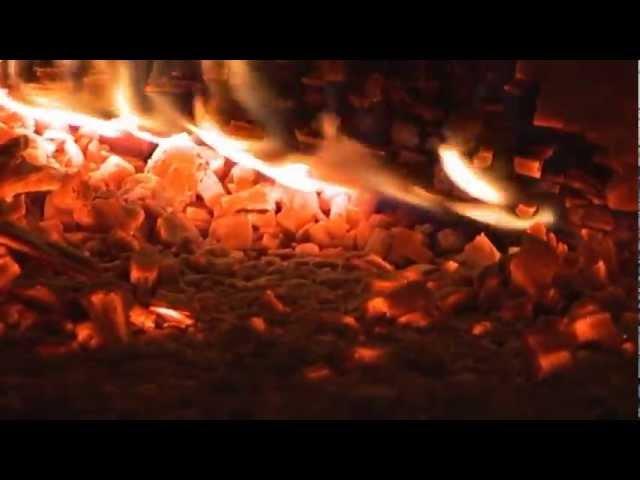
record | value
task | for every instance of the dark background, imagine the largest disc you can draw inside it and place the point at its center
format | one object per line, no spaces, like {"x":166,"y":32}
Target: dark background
{"x":598,"y":96}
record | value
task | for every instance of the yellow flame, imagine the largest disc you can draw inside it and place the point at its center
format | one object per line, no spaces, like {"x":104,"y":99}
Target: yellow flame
{"x":467,"y":179}
{"x":292,"y":175}
{"x":60,"y":117}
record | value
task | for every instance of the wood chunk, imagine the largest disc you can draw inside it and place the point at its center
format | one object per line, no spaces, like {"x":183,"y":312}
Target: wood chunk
{"x":233,"y":231}
{"x":174,"y":229}
{"x":142,"y":318}
{"x":307,"y":249}
{"x":112,"y":173}
{"x":530,"y":167}
{"x":176,"y":163}
{"x":534,"y":266}
{"x":199,"y":217}
{"x":265,"y":222}
{"x":480,"y":253}
{"x":257,"y":198}
{"x":483,"y":159}
{"x":552,"y":362}
{"x":109,"y":316}
{"x":449,"y":240}
{"x":526,"y":210}
{"x":241,"y":178}
{"x":379,"y":242}
{"x":408,"y":244}
{"x":105,"y":215}
{"x":596,"y":328}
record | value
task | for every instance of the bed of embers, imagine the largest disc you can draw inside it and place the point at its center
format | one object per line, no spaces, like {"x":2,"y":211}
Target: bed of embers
{"x":187,"y":286}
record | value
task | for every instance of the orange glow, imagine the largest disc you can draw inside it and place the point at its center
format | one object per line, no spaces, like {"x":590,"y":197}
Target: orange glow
{"x":258,"y":324}
{"x":271,"y":299}
{"x":629,"y":349}
{"x":530,"y":167}
{"x":481,"y":328}
{"x":415,"y":319}
{"x":468,"y":180}
{"x":596,"y":327}
{"x":317,"y":372}
{"x":367,"y":354}
{"x":385,"y":286}
{"x":600,"y":271}
{"x":378,"y":306}
{"x":142,"y":318}
{"x":350,"y":321}
{"x":450,"y":266}
{"x":552,"y":362}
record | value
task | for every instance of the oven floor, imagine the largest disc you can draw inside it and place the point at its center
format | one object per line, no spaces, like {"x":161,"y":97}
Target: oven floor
{"x":308,"y":364}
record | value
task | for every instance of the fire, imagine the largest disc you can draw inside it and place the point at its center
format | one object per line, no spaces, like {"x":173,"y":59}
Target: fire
{"x":58,"y":116}
{"x":499,"y":217}
{"x":467,"y":179}
{"x":293,"y":175}
{"x":322,"y":171}
{"x":173,"y":317}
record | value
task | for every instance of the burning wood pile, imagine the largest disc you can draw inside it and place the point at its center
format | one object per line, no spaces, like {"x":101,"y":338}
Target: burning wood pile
{"x":202,"y":272}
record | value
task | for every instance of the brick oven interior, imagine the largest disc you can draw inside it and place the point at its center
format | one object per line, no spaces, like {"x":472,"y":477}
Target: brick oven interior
{"x":320,"y":239}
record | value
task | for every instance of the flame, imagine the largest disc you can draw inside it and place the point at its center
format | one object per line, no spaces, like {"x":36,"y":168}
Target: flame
{"x":467,"y":179}
{"x":61,"y":117}
{"x":339,"y":165}
{"x":174,"y":317}
{"x":292,"y":175}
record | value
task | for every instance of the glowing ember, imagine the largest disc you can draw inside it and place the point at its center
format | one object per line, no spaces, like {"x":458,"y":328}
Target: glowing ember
{"x":367,"y":354}
{"x":317,"y":372}
{"x":500,"y":218}
{"x":549,"y":363}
